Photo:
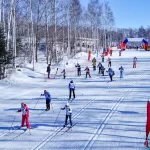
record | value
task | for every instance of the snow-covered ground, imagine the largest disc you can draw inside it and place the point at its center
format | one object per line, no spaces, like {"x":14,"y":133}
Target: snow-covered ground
{"x":107,"y":115}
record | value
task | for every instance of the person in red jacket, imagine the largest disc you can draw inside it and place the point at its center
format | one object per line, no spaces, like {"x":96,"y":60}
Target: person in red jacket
{"x":25,"y":115}
{"x":87,"y":72}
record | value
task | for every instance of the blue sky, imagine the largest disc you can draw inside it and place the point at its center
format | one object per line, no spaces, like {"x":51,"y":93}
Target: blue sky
{"x":129,"y":13}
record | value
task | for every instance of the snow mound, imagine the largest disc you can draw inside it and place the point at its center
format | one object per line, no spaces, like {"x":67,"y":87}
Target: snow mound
{"x":19,"y":76}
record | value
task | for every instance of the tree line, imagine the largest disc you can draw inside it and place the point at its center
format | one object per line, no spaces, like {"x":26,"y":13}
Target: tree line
{"x":55,"y":21}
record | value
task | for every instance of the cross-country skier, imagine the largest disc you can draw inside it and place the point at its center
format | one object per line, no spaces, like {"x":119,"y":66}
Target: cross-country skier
{"x":102,"y":56}
{"x":71,"y":87}
{"x":111,"y":51}
{"x":49,"y":70}
{"x":78,"y":69}
{"x":25,"y":115}
{"x":134,"y":62}
{"x":48,"y":99}
{"x":110,"y":73}
{"x":94,"y":63}
{"x":120,"y":51}
{"x":121,"y":72}
{"x":109,"y":62}
{"x":102,"y":70}
{"x":68,"y":114}
{"x":64,"y":73}
{"x":99,"y":67}
{"x":87,"y":69}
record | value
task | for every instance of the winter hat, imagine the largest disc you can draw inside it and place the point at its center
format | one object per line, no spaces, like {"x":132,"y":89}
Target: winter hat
{"x":71,"y":81}
{"x":22,"y":104}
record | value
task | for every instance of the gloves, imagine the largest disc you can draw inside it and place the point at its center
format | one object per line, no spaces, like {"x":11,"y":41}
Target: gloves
{"x":41,"y":94}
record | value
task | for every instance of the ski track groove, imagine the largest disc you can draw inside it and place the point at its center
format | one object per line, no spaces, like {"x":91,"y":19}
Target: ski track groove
{"x":55,"y":132}
{"x":102,"y":125}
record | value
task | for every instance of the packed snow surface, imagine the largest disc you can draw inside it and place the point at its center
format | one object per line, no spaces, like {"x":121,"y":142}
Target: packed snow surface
{"x":107,"y":115}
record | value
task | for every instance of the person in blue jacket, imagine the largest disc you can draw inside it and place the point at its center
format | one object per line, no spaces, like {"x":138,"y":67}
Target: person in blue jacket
{"x":110,"y":73}
{"x":71,"y":87}
{"x":121,"y":72}
{"x":48,"y":99}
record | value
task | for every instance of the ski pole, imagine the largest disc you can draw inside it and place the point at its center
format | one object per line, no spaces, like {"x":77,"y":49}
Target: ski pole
{"x":12,"y":123}
{"x":57,"y":116}
{"x":37,"y":101}
{"x":52,"y":107}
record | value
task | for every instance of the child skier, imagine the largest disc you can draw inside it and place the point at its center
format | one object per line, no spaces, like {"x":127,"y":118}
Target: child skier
{"x":71,"y":87}
{"x":121,"y":72}
{"x":68,"y":114}
{"x":99,"y":67}
{"x":25,"y":115}
{"x":120,"y":51}
{"x":109,"y":62}
{"x":94,"y":63}
{"x":111,"y":52}
{"x":78,"y":69}
{"x":48,"y":99}
{"x":87,"y":71}
{"x":102,"y":70}
{"x":134,"y":62}
{"x":64,"y":73}
{"x":110,"y":73}
{"x":102,"y":56}
{"x":49,"y":70}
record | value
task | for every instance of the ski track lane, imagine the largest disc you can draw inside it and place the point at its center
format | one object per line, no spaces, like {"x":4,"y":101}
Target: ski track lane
{"x":103,"y":123}
{"x":52,"y":135}
{"x":57,"y":131}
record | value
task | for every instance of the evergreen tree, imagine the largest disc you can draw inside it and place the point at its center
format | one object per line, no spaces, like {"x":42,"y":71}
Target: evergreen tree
{"x":5,"y":57}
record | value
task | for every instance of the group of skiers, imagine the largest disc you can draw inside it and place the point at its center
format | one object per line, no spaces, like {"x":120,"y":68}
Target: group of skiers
{"x":25,"y":110}
{"x":101,"y":69}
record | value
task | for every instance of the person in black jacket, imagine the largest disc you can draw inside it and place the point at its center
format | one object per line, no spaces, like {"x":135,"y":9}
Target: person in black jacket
{"x":64,"y":73}
{"x":78,"y":69}
{"x":99,"y":66}
{"x":102,"y":70}
{"x":49,"y":70}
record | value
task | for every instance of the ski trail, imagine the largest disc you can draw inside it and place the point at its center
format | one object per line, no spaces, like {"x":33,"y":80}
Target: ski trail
{"x":102,"y":125}
{"x":55,"y":132}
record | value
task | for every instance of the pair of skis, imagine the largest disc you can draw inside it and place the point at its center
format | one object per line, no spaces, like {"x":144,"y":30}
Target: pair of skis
{"x":24,"y":130}
{"x":68,"y":128}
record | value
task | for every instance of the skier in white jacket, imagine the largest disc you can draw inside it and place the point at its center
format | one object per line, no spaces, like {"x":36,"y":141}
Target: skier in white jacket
{"x":68,"y":114}
{"x":71,"y":87}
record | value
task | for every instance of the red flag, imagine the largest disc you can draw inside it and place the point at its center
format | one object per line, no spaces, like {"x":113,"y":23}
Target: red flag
{"x":123,"y":45}
{"x":147,"y":123}
{"x":89,"y":55}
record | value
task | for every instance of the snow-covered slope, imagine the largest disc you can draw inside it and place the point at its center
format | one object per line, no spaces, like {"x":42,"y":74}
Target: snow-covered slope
{"x":107,"y":115}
